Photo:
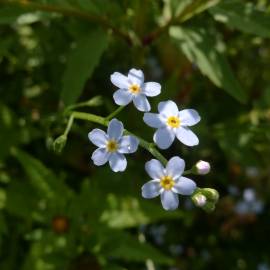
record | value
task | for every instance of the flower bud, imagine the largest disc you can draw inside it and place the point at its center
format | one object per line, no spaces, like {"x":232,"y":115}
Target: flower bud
{"x":199,"y":200}
{"x":202,"y":167}
{"x":59,"y":144}
{"x":209,"y":207}
{"x":211,"y":194}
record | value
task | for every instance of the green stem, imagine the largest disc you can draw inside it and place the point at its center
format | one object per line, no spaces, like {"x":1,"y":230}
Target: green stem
{"x":113,"y":114}
{"x":69,"y":125}
{"x":188,"y":172}
{"x":104,"y":121}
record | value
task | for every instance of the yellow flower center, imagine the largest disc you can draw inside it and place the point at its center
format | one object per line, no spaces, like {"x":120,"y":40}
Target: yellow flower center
{"x":112,"y":146}
{"x":134,"y":88}
{"x":173,"y":121}
{"x":167,"y":182}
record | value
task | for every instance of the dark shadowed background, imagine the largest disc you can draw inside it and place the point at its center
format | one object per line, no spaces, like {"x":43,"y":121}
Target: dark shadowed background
{"x":58,"y":210}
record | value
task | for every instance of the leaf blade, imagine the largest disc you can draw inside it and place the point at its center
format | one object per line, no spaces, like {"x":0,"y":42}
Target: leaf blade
{"x":81,"y":64}
{"x":242,"y":16}
{"x":195,"y":44}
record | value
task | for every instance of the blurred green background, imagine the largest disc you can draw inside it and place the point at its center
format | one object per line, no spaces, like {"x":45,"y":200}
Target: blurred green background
{"x":59,"y":211}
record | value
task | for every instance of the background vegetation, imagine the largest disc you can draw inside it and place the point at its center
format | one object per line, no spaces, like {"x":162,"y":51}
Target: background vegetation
{"x":62,"y":212}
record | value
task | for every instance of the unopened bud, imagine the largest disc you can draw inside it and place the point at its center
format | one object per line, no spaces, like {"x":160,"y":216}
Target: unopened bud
{"x":199,"y":200}
{"x":59,"y":144}
{"x":209,"y":207}
{"x":95,"y":101}
{"x":211,"y":194}
{"x":202,"y":167}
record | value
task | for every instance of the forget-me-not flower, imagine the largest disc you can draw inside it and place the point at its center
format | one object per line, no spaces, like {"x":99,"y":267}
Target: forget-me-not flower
{"x":112,"y":146}
{"x":167,"y":182}
{"x":133,"y":88}
{"x":171,"y":122}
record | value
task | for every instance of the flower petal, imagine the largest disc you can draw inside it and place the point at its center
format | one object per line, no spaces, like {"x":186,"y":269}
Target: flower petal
{"x":175,"y":167}
{"x":151,"y":89}
{"x":100,"y":156}
{"x":169,"y":200}
{"x":184,"y":186}
{"x":153,"y":120}
{"x":115,"y":129}
{"x":128,"y":144}
{"x":141,"y":103}
{"x":136,"y":76}
{"x":168,"y":108}
{"x":164,"y":137}
{"x":118,"y":162}
{"x":155,"y":169}
{"x":98,"y":137}
{"x":122,"y":97}
{"x":186,"y":136}
{"x":151,"y":189}
{"x":119,"y":80}
{"x":189,"y":117}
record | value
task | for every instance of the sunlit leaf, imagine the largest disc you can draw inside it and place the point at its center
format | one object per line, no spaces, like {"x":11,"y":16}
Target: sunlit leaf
{"x":186,"y":9}
{"x":201,"y":49}
{"x":243,"y":16}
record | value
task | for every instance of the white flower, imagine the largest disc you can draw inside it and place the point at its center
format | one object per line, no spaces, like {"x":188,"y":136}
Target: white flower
{"x":133,"y":88}
{"x":202,"y":167}
{"x":171,"y":122}
{"x":167,"y":182}
{"x":112,"y":146}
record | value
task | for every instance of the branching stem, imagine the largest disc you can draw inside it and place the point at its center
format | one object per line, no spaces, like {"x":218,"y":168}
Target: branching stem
{"x":105,"y":121}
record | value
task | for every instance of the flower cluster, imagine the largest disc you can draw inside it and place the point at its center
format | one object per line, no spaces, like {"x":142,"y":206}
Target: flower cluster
{"x":167,"y":180}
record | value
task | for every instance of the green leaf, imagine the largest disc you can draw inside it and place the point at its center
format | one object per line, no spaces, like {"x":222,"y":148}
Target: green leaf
{"x":10,"y":14}
{"x":22,"y":199}
{"x":81,"y":63}
{"x":41,"y":178}
{"x":186,"y":9}
{"x":202,"y":49}
{"x":242,"y":16}
{"x":127,"y":212}
{"x":130,"y":249}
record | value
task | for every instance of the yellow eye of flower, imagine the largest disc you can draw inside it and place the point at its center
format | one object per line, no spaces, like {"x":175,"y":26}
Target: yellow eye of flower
{"x":112,"y":146}
{"x":134,"y":88}
{"x":173,"y":121}
{"x":167,"y":182}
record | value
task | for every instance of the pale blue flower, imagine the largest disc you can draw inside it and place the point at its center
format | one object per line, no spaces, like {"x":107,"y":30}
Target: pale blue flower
{"x":250,"y":204}
{"x":133,"y":88}
{"x":112,"y":146}
{"x":171,"y":122}
{"x":167,"y":182}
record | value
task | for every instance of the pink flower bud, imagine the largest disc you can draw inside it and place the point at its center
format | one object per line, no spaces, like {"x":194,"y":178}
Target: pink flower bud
{"x":203,"y":167}
{"x":200,"y":200}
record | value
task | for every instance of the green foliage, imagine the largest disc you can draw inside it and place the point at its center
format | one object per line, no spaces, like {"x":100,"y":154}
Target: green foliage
{"x":243,"y":16}
{"x":195,"y":43}
{"x":59,"y":211}
{"x":81,"y":63}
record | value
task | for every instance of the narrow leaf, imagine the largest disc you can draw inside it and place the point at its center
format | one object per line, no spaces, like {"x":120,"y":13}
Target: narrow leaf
{"x":81,"y":63}
{"x":242,"y":16}
{"x":186,"y":9}
{"x":202,"y":49}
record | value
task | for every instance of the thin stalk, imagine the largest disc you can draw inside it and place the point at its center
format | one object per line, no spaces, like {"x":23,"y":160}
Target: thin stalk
{"x":77,"y":105}
{"x":69,"y":125}
{"x":113,"y":114}
{"x":104,"y":121}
